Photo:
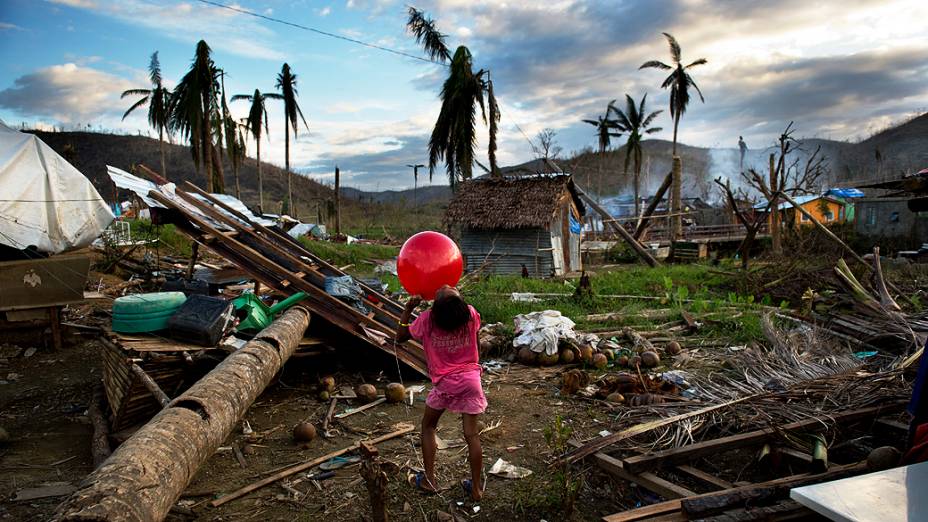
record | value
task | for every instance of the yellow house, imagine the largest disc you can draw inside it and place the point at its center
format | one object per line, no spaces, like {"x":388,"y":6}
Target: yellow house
{"x":825,"y":209}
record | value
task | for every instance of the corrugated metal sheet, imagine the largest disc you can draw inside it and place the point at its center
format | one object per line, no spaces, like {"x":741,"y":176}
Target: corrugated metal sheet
{"x":505,"y":251}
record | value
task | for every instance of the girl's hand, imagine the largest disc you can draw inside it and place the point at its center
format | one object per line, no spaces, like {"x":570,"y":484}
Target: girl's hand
{"x":413,"y":302}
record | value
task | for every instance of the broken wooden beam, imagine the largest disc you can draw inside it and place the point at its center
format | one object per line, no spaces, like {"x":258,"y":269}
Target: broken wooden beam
{"x":99,"y":442}
{"x":143,"y":479}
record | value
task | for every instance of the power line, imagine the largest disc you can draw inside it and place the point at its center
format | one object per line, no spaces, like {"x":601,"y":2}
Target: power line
{"x":318,"y":31}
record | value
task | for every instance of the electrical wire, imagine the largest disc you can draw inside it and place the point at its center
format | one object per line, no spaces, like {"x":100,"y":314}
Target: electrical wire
{"x":318,"y":31}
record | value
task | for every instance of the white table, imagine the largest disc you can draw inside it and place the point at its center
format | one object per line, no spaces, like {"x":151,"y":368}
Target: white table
{"x":886,"y":496}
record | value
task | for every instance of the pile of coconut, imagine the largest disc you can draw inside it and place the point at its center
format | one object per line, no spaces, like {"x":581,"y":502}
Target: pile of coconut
{"x":599,"y":354}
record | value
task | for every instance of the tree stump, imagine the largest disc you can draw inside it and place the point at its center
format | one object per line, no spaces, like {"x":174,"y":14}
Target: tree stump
{"x":376,"y":479}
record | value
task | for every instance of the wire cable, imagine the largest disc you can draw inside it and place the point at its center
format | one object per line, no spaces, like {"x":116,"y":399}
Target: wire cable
{"x":318,"y":31}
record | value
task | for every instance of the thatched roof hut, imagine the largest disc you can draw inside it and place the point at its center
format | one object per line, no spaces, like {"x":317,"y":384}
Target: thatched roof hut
{"x":505,"y":224}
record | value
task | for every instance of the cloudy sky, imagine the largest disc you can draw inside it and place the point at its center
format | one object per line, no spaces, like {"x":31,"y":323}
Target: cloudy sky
{"x":842,"y":70}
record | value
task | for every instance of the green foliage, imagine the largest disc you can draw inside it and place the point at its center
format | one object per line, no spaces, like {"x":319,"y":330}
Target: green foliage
{"x":361,"y":255}
{"x":567,"y":479}
{"x":176,"y":243}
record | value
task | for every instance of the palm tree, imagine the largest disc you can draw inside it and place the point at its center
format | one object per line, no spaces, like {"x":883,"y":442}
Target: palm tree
{"x":194,"y":112}
{"x":605,"y":131}
{"x":634,"y":121}
{"x":158,"y":100}
{"x":679,"y":81}
{"x":454,"y":136}
{"x":286,"y":83}
{"x":257,"y":116}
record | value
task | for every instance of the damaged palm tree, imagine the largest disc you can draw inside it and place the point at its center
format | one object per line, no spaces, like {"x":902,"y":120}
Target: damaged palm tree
{"x":454,"y":136}
{"x":147,"y":474}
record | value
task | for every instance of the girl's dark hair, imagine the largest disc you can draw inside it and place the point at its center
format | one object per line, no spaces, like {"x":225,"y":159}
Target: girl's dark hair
{"x":450,"y":312}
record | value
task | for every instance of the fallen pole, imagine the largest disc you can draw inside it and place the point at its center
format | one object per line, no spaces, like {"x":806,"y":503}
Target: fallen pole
{"x":286,"y":472}
{"x":619,"y":229}
{"x":146,"y":475}
{"x":150,"y":385}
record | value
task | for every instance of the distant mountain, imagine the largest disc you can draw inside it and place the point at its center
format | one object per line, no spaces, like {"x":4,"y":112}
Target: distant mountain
{"x":422,"y":195}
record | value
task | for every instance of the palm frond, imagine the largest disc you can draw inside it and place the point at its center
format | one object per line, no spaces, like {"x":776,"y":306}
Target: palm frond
{"x":700,"y":61}
{"x":135,"y":92}
{"x":647,"y":121}
{"x":689,"y":81}
{"x":675,"y":52}
{"x":431,"y":39}
{"x":239,"y":97}
{"x":154,"y":69}
{"x":655,"y":64}
{"x":653,"y":130}
{"x":136,"y":105}
{"x":494,"y":121}
{"x":591,"y":122}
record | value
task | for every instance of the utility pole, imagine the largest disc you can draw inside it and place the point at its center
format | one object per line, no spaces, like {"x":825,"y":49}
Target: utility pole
{"x":415,"y":185}
{"x":338,"y":208}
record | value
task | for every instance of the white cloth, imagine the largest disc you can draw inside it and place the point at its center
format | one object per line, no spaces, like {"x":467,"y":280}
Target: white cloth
{"x":44,"y":201}
{"x":541,"y":331}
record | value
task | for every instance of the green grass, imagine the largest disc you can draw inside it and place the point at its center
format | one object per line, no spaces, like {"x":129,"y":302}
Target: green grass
{"x":176,"y":243}
{"x":360,"y":255}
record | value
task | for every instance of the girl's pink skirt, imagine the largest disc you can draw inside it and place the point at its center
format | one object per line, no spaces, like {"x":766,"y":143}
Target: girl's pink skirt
{"x":458,"y":392}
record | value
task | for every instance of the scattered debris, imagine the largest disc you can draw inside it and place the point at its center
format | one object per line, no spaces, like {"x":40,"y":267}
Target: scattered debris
{"x":504,"y":469}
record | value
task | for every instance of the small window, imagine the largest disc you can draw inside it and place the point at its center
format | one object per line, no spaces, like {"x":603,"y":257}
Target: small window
{"x":805,"y":217}
{"x":894,"y":217}
{"x":829,"y":216}
{"x":871,"y":216}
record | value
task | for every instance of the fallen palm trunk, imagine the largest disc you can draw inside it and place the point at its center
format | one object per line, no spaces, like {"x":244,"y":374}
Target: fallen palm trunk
{"x":147,"y":474}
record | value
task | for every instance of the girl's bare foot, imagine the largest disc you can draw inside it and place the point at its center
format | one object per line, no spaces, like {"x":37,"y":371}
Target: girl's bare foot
{"x":475,"y":494}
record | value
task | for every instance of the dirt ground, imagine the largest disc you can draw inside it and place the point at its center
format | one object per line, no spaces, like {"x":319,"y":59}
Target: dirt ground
{"x":44,"y":411}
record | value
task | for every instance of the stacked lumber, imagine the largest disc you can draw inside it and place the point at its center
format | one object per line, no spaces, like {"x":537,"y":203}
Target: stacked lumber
{"x":279,"y":261}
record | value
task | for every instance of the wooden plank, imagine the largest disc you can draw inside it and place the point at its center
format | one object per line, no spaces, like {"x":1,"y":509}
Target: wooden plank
{"x":662,"y":487}
{"x":705,"y":477}
{"x":639,"y":463}
{"x":675,"y":505}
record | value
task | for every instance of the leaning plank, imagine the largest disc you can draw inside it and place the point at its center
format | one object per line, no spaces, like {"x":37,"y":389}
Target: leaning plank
{"x":144,"y":478}
{"x":705,"y":477}
{"x":403,"y":429}
{"x":150,"y":384}
{"x":648,"y":461}
{"x":619,"y":229}
{"x":603,"y":442}
{"x":670,"y":507}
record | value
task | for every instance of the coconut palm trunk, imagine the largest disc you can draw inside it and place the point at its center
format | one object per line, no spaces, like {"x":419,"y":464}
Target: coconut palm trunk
{"x":260,"y":179}
{"x":290,"y":208}
{"x":164,"y":168}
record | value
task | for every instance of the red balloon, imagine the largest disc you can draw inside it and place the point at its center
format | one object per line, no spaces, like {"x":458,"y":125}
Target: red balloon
{"x":428,"y":261}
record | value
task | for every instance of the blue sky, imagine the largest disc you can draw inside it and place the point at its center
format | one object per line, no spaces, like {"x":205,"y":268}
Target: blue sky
{"x":840,"y":69}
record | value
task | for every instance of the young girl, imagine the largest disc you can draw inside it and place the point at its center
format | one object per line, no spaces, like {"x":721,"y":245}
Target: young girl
{"x":448,"y":333}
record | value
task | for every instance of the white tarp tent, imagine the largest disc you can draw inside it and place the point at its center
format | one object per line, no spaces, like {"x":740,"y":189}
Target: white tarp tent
{"x":44,"y":201}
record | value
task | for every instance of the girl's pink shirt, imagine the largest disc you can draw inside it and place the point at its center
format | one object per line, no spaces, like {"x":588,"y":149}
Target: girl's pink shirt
{"x":448,"y":353}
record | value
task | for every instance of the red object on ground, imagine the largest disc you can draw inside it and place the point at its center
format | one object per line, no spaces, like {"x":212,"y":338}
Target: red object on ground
{"x":428,"y":261}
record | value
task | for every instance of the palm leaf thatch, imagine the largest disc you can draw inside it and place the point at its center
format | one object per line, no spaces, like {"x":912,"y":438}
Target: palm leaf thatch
{"x":512,"y":202}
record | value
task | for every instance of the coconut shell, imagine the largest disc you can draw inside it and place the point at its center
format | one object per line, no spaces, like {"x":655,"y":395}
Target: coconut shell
{"x":673,"y":348}
{"x":622,"y":360}
{"x":645,"y":399}
{"x":395,"y":392}
{"x":586,"y":354}
{"x":304,"y":432}
{"x":327,"y":383}
{"x":526,"y":356}
{"x":625,"y":382}
{"x":548,"y":360}
{"x":616,"y":398}
{"x":600,"y":361}
{"x":366,"y":392}
{"x":650,"y":359}
{"x":884,"y":457}
{"x":324,"y":395}
{"x":568,"y":356}
{"x":635,"y":361}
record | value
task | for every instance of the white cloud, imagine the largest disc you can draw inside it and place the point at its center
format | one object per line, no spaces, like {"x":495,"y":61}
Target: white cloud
{"x":325,"y":11}
{"x":83,"y":4}
{"x":67,"y":93}
{"x":5,"y":26}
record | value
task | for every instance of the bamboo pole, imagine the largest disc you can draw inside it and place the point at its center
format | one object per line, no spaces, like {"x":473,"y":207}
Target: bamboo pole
{"x":638,"y":247}
{"x":144,"y":478}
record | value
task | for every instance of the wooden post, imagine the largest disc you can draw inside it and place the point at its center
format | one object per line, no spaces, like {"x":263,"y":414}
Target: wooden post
{"x":376,"y":481}
{"x":54,"y":321}
{"x":194,"y":250}
{"x":677,"y":201}
{"x":144,"y":478}
{"x":338,"y":206}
